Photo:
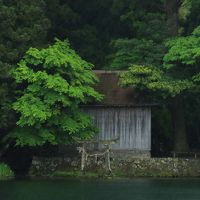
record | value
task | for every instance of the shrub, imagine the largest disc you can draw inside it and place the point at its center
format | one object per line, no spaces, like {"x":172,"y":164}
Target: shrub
{"x":5,"y":171}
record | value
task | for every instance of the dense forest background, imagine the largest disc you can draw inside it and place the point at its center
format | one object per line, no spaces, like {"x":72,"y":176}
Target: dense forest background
{"x":112,"y":35}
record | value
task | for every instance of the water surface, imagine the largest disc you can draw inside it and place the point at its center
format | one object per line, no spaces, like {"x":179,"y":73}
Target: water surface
{"x":70,"y":189}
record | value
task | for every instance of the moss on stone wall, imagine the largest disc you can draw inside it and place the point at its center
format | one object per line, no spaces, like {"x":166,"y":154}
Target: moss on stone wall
{"x":144,"y":167}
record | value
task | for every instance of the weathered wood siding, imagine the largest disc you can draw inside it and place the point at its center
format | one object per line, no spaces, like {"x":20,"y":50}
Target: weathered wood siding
{"x":131,"y":125}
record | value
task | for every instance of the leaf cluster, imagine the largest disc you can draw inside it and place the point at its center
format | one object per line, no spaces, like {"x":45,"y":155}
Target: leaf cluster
{"x":180,"y":70}
{"x":137,"y":51}
{"x":154,"y":79}
{"x":54,"y":82}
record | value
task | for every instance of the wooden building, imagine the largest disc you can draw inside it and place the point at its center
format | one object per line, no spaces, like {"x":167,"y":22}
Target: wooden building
{"x":122,"y":115}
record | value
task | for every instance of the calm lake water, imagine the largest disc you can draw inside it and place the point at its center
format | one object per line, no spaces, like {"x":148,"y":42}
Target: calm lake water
{"x":136,"y":189}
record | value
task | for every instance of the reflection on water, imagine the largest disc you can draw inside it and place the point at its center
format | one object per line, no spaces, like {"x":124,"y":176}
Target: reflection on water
{"x":70,"y":189}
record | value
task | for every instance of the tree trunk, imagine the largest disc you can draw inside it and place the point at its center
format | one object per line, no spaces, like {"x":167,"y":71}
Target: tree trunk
{"x":180,"y":138}
{"x":171,"y":9}
{"x":4,"y":149}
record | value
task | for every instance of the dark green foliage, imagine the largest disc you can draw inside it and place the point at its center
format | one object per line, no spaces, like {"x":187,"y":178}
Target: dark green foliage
{"x":112,"y":34}
{"x":23,"y":24}
{"x":143,"y":41}
{"x":143,"y":19}
{"x":193,"y":17}
{"x":54,"y":82}
{"x":192,"y":111}
{"x":137,"y":51}
{"x":162,"y":131}
{"x":89,"y":25}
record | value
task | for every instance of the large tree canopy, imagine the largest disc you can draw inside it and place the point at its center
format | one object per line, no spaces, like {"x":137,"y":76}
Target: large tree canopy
{"x":53,"y":82}
{"x":179,"y":75}
{"x":111,"y":34}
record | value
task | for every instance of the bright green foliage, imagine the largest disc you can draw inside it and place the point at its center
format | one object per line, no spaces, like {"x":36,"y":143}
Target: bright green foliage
{"x":112,"y":34}
{"x":183,"y":57}
{"x":55,"y":82}
{"x":5,"y":172}
{"x":184,"y":53}
{"x":180,"y":70}
{"x":154,"y":79}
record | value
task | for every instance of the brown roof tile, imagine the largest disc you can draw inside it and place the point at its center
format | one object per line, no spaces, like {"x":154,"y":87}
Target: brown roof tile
{"x":114,"y":95}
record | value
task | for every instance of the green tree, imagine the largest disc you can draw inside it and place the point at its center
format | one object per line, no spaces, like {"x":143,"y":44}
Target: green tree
{"x":53,"y":83}
{"x":144,"y":34}
{"x":171,"y":19}
{"x":179,"y":76}
{"x":137,"y":51}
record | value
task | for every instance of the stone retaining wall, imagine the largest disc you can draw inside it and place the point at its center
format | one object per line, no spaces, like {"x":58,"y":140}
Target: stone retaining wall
{"x":136,"y":167}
